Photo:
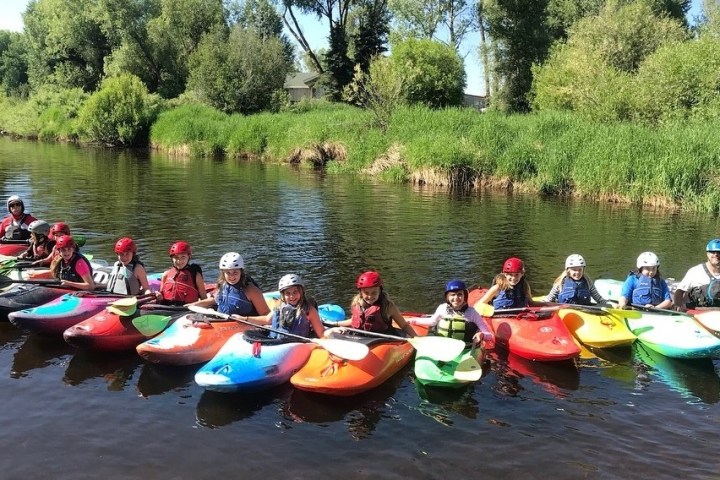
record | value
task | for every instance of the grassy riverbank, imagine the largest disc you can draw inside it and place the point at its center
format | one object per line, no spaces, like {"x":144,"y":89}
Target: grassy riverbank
{"x":674,"y":166}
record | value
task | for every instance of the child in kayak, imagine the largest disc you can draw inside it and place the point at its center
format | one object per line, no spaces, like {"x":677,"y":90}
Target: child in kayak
{"x":183,"y":283}
{"x":41,"y":247}
{"x":511,"y":289}
{"x":372,"y":309}
{"x":237,"y":293}
{"x":456,"y":319}
{"x":15,"y":225}
{"x":295,"y":314}
{"x":573,"y":286}
{"x":128,"y":276}
{"x":646,"y":287}
{"x":71,"y":267}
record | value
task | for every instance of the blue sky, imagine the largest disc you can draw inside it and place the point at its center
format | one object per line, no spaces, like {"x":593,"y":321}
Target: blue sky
{"x":11,"y":19}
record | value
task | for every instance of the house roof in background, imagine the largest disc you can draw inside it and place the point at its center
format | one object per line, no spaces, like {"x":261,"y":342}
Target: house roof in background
{"x":301,"y":79}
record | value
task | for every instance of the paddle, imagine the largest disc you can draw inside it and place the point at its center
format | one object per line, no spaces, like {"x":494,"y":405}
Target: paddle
{"x":6,"y":281}
{"x":663,"y":311}
{"x":488,"y":310}
{"x":340,"y":348}
{"x":160,"y":306}
{"x":151,"y":324}
{"x":468,"y":369}
{"x":443,"y":349}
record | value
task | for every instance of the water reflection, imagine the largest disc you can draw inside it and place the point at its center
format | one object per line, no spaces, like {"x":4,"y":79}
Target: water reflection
{"x":156,"y":379}
{"x":115,"y":369}
{"x":694,"y":379}
{"x":10,"y":336}
{"x":441,"y":404}
{"x":37,"y":352}
{"x":556,"y":378}
{"x":217,"y":409}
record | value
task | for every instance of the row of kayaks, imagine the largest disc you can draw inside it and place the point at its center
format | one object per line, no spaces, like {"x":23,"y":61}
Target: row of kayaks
{"x":237,"y":358}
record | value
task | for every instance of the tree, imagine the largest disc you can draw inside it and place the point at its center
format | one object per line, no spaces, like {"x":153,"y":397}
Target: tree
{"x":339,"y":66}
{"x":239,"y":73}
{"x":371,"y":32}
{"x":433,"y":72}
{"x":380,"y":89}
{"x":427,"y":18}
{"x":262,"y":17}
{"x":13,"y":63}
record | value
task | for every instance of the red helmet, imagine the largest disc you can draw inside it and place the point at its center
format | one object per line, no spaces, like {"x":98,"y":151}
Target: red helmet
{"x":369,"y":280}
{"x":125,"y":244}
{"x":65,"y":241}
{"x":180,"y":247}
{"x":513,"y":265}
{"x":59,"y":229}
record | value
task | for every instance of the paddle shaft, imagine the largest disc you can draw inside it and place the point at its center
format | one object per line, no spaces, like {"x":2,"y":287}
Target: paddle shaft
{"x":660,"y":310}
{"x":376,"y":334}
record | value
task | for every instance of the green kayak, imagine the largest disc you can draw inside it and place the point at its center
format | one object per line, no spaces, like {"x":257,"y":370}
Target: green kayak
{"x":462,"y":370}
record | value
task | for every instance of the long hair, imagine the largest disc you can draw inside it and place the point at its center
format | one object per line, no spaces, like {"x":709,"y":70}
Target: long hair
{"x":504,"y":284}
{"x":384,"y":301}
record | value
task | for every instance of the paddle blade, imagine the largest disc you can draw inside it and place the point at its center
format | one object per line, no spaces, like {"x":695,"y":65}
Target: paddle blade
{"x":125,"y":302}
{"x":485,"y":309}
{"x":151,"y":325}
{"x":468,"y":370}
{"x":122,"y":311}
{"x":346,"y":349}
{"x":443,"y":349}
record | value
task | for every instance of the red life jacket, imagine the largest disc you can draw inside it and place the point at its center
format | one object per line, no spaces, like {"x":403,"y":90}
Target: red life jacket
{"x":369,"y":319}
{"x":178,"y":286}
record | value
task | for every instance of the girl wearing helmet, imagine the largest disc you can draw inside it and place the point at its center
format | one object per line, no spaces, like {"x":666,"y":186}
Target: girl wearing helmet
{"x":573,"y":286}
{"x":700,"y":287}
{"x":236,"y":292}
{"x":456,"y":319}
{"x":183,"y":283}
{"x":15,"y":225}
{"x":128,"y":276}
{"x":41,"y":247}
{"x":58,"y":229}
{"x":372,"y":309}
{"x":295,"y":313}
{"x":71,"y":267}
{"x":511,"y":289}
{"x":645,"y":287}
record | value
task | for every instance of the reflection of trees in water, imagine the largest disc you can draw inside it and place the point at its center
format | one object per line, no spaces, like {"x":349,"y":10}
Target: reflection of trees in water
{"x":10,"y":335}
{"x":215,"y":409}
{"x":556,"y":378}
{"x":39,"y":352}
{"x":115,"y":368}
{"x":156,"y":379}
{"x":441,"y":403}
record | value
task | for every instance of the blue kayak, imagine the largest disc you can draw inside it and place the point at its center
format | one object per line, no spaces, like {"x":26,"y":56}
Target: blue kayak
{"x":252,"y":361}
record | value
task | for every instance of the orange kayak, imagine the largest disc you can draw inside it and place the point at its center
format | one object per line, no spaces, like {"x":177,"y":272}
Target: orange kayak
{"x":324,"y":373}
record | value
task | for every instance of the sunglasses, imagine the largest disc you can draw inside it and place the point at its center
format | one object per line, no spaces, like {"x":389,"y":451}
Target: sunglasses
{"x":13,"y":205}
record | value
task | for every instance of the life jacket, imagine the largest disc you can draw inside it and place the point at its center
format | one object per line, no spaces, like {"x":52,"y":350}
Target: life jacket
{"x":17,"y":229}
{"x":706,"y":295}
{"x":647,"y":291}
{"x":68,"y":272}
{"x":369,"y":319}
{"x":122,"y":279}
{"x":231,"y":300}
{"x":41,"y":250}
{"x":178,"y":286}
{"x":575,"y":292}
{"x":511,"y":298}
{"x":287,"y":318}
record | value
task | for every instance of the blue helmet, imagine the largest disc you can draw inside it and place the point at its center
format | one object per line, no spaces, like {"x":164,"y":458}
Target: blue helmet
{"x":713,"y":245}
{"x":455,"y":285}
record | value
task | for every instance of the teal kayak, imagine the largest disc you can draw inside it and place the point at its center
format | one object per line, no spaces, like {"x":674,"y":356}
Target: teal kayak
{"x":674,"y":335}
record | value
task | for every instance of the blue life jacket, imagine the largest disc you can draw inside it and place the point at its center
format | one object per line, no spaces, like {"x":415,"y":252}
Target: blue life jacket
{"x":286,"y":318}
{"x":647,"y":291}
{"x":575,"y":292}
{"x":231,"y":300}
{"x":510,"y":298}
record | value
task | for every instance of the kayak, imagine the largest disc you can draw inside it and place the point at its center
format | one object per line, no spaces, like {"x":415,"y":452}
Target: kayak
{"x":457,"y":373}
{"x":599,"y":330}
{"x":710,"y":319}
{"x":22,"y":296}
{"x":534,"y":334}
{"x":110,"y":331}
{"x":253,"y":361}
{"x":13,"y":249}
{"x":189,"y":340}
{"x":327,"y":374}
{"x":193,"y":338}
{"x":610,"y":289}
{"x":674,"y":335}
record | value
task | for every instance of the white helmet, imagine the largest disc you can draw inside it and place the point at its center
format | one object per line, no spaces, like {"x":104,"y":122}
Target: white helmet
{"x":648,"y":259}
{"x":290,"y":280}
{"x":574,"y":260}
{"x":39,"y":227}
{"x":231,"y":260}
{"x":14,"y":199}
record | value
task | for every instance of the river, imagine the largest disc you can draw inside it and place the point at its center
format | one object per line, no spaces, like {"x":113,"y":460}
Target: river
{"x":70,"y":414}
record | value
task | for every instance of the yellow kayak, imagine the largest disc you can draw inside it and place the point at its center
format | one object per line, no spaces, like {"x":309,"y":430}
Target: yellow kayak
{"x":599,"y":330}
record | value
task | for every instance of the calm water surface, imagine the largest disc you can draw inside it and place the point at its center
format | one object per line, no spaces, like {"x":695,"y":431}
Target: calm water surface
{"x":69,"y":414}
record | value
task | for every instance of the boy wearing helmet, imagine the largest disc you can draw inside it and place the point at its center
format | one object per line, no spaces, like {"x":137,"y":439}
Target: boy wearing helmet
{"x":373,"y":310}
{"x":183,"y":283}
{"x":700,"y":287}
{"x":295,"y":314}
{"x":237,"y":293}
{"x":646,"y":287}
{"x":511,"y":289}
{"x":456,"y":319}
{"x":573,"y":286}
{"x":71,"y":267}
{"x":128,"y":276}
{"x":41,"y":247}
{"x":15,"y":225}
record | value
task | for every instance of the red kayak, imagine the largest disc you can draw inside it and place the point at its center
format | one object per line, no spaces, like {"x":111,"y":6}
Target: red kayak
{"x":12,"y":249}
